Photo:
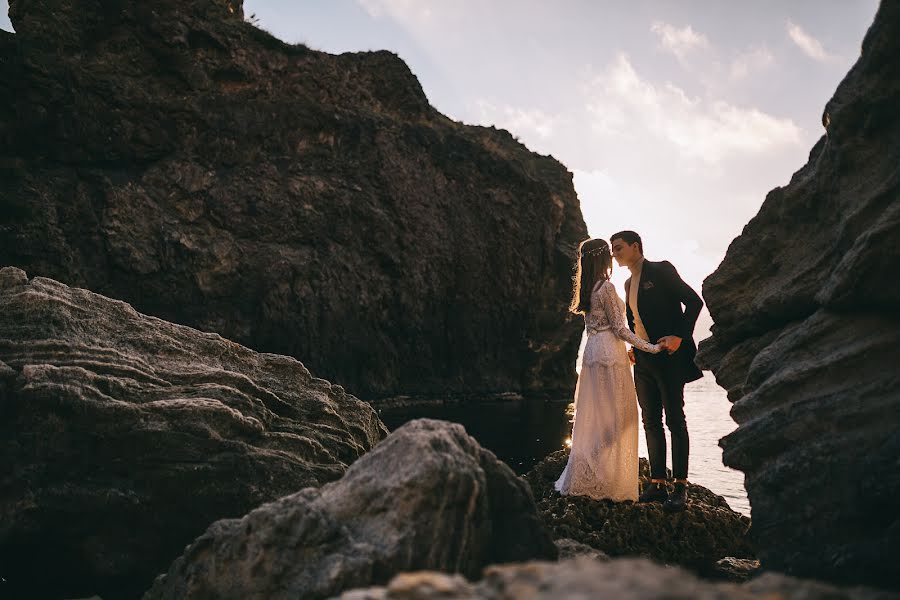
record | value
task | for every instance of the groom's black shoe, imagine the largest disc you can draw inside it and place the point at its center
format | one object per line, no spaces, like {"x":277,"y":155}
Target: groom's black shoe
{"x":677,"y":500}
{"x":654,"y":492}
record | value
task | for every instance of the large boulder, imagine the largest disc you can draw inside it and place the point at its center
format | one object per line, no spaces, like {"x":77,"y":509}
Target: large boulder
{"x":427,"y":497}
{"x":698,"y":538}
{"x":583,"y":578}
{"x":122,"y":437}
{"x":807,"y":339}
{"x":172,"y":155}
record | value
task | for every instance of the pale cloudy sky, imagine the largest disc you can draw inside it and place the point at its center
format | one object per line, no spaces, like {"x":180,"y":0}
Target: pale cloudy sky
{"x":675,"y":116}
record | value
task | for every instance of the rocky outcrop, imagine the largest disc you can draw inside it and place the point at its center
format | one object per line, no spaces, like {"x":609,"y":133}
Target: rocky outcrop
{"x":623,"y":579}
{"x":122,"y":437}
{"x":569,"y":548}
{"x":735,"y":569}
{"x":707,"y":531}
{"x":171,"y":155}
{"x":807,"y":339}
{"x":427,"y":497}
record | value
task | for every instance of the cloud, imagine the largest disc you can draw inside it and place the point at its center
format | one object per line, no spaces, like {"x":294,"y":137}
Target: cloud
{"x":404,"y":11}
{"x":627,"y":107}
{"x":522,"y":122}
{"x":756,"y":59}
{"x":679,"y":42}
{"x":811,"y":46}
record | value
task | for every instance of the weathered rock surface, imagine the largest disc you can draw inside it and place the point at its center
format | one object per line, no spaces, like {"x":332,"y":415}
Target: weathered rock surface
{"x":735,"y":569}
{"x":707,"y":531}
{"x":569,"y":548}
{"x":807,"y":339}
{"x":427,"y":497}
{"x":622,"y":579}
{"x":122,"y":437}
{"x":171,"y":155}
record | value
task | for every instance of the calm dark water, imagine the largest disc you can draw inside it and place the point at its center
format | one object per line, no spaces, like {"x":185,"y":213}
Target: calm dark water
{"x":522,"y":432}
{"x":519,"y":432}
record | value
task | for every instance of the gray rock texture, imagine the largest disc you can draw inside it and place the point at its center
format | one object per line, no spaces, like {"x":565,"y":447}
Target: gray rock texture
{"x":569,"y":548}
{"x":735,"y":569}
{"x":427,"y":497}
{"x":122,"y":437}
{"x":806,"y":339}
{"x":171,"y":155}
{"x":585,"y":578}
{"x":707,"y":531}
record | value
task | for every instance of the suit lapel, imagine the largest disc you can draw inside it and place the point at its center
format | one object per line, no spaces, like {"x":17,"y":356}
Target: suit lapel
{"x":645,"y":273}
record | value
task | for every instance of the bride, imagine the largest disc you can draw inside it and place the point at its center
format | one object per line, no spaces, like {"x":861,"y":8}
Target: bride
{"x":603,"y":462}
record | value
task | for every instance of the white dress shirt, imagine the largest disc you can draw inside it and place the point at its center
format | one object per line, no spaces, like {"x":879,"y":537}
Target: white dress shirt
{"x":639,"y":329}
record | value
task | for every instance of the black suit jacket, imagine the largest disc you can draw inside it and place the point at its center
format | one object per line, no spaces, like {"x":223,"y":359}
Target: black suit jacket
{"x":659,"y":300}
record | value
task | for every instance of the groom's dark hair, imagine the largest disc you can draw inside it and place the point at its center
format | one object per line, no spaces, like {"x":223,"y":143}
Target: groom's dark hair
{"x":629,"y":237}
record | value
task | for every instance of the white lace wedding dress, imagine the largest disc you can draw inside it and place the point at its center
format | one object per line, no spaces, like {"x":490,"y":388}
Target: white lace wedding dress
{"x":603,"y":462}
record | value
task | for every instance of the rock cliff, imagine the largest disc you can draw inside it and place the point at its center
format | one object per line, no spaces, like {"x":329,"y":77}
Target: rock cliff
{"x":122,"y":437}
{"x":174,"y":156}
{"x":806,"y":338}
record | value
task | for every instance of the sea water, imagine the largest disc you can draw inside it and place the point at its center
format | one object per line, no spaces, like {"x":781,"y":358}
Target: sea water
{"x":522,"y":431}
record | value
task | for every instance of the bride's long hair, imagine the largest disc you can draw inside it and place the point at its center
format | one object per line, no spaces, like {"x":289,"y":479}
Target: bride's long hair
{"x":594,"y":263}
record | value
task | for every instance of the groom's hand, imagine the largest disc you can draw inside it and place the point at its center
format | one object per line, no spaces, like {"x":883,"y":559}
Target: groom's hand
{"x":671,"y":342}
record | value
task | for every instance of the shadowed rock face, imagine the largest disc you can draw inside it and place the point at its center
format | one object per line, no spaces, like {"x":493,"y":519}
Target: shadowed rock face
{"x":122,"y":437}
{"x":427,"y":497}
{"x":807,"y":339}
{"x":174,"y":156}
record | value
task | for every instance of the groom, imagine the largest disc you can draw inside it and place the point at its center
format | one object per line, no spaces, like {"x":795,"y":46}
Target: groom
{"x":654,"y":295}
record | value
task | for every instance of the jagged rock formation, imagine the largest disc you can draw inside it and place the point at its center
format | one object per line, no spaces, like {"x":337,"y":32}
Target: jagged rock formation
{"x":171,"y":155}
{"x":623,"y":579}
{"x":807,"y":339}
{"x":427,"y":497}
{"x":122,"y":437}
{"x":707,"y":531}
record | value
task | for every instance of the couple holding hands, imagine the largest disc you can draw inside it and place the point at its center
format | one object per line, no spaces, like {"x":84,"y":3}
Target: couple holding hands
{"x":657,"y":318}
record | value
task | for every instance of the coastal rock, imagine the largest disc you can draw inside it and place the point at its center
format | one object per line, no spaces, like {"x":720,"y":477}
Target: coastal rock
{"x":569,"y":548}
{"x":122,"y":437}
{"x":427,"y":497}
{"x":622,"y":579}
{"x":707,"y":531}
{"x":735,"y":569}
{"x":807,"y":339}
{"x":174,"y":156}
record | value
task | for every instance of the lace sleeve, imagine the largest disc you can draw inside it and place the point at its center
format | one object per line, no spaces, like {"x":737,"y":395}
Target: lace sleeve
{"x":610,"y":301}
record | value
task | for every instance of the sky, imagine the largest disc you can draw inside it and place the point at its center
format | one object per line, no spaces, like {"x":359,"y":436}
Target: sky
{"x":676,"y":117}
